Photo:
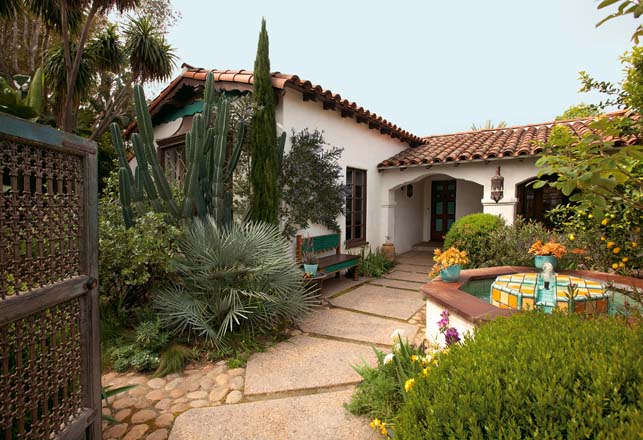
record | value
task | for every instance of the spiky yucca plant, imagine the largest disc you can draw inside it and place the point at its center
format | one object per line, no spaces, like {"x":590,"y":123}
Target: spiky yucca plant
{"x":234,"y":277}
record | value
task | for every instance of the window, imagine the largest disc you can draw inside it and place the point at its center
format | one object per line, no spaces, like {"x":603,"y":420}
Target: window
{"x":534,"y":203}
{"x":355,"y":207}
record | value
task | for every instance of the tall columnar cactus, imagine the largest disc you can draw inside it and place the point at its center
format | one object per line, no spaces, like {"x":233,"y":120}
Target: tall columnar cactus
{"x":208,"y":168}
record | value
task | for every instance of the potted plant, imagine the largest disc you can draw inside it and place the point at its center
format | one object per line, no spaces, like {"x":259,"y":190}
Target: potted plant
{"x":548,"y":252}
{"x":388,"y":249}
{"x":448,"y":264}
{"x":308,"y":257}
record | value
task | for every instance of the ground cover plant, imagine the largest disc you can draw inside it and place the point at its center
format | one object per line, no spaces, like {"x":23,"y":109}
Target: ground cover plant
{"x":533,"y":376}
{"x":373,"y":264}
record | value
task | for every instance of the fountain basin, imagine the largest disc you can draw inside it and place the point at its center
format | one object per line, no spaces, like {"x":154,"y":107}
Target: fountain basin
{"x":520,"y":291}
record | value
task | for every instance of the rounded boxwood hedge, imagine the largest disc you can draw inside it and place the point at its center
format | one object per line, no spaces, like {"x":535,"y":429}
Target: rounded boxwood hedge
{"x":533,"y":376}
{"x":471,"y":233}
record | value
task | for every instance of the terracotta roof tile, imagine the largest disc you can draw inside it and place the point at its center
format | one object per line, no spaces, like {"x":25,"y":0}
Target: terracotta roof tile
{"x":281,"y":81}
{"x":485,"y":144}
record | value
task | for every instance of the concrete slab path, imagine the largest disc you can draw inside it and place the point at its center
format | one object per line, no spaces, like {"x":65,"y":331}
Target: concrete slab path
{"x":364,"y":328}
{"x":296,"y":389}
{"x":382,"y":301}
{"x":317,"y":416}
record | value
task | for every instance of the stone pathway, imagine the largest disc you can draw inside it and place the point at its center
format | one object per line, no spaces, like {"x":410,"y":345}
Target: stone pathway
{"x":294,"y":390}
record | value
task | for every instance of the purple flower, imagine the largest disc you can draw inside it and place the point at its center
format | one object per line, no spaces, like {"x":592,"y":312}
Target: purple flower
{"x":451,"y":336}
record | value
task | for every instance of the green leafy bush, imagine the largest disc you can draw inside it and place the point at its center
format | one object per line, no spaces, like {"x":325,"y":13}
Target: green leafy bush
{"x":373,"y":264}
{"x":509,"y":245}
{"x":472,"y":233}
{"x":143,"y":353}
{"x":533,"y":376}
{"x":131,"y":260}
{"x":234,"y":278}
{"x":382,"y":391}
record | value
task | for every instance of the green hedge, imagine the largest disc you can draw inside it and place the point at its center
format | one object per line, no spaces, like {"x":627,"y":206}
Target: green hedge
{"x":533,"y":376}
{"x":472,"y":233}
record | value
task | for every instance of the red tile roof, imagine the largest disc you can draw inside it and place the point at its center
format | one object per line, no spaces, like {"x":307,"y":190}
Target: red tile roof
{"x":243,"y":79}
{"x":495,"y":143}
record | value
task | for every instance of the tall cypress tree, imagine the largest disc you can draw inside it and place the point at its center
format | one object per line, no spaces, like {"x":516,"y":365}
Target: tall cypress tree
{"x":265,"y":169}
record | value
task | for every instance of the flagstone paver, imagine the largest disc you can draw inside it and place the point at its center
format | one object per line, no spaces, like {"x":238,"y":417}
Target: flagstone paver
{"x":382,"y":301}
{"x":305,"y":362}
{"x":318,"y":416}
{"x":425,"y":269}
{"x":366,"y":328}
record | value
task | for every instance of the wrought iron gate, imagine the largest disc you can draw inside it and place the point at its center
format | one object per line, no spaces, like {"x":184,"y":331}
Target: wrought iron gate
{"x":49,"y":342}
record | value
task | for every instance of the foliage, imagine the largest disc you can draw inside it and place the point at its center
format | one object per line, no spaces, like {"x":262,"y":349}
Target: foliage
{"x":264,"y":173}
{"x":549,"y":248}
{"x":625,"y":7}
{"x":618,"y":248}
{"x":373,"y":264}
{"x":173,"y":359}
{"x":600,"y":171}
{"x":471,"y":233}
{"x":446,"y":259}
{"x":382,"y":392}
{"x":209,"y":170}
{"x":23,"y":105}
{"x":143,"y":353}
{"x":533,"y":375}
{"x":509,"y":245}
{"x":311,"y":184}
{"x":131,"y":260}
{"x":231,"y":278}
{"x":488,"y":125}
{"x":581,"y":110}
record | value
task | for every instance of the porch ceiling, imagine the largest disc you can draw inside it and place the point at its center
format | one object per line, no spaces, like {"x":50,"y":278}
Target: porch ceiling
{"x":520,"y":141}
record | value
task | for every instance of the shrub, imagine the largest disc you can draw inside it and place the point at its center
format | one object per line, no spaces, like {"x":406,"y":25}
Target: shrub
{"x":509,"y":245}
{"x":131,"y":260}
{"x":472,"y":233}
{"x":143,"y":353}
{"x":373,"y":264}
{"x":236,"y":278}
{"x":533,"y":376}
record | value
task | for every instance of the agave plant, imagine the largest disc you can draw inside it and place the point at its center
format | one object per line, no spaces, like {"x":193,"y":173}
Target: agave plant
{"x":232,"y":277}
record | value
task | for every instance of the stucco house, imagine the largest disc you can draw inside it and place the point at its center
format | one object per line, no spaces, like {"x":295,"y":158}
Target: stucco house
{"x":402,"y":186}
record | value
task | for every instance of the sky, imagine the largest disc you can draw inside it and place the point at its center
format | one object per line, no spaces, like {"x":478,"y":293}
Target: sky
{"x":429,"y":66}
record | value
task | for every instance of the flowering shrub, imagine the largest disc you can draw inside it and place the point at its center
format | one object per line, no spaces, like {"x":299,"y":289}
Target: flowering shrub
{"x":550,"y":248}
{"x":443,"y":260}
{"x":564,"y":377}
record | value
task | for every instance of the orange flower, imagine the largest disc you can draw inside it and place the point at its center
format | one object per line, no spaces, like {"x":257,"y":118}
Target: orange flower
{"x":448,"y":258}
{"x":549,"y":248}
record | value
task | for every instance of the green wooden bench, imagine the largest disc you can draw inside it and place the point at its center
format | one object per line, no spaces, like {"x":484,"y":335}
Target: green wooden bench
{"x":331,"y":263}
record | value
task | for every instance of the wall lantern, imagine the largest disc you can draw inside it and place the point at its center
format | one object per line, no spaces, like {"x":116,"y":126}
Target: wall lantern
{"x":497,"y":186}
{"x":409,"y":191}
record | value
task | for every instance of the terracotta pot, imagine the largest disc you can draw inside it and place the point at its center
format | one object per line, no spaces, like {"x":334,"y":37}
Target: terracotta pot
{"x":388,"y":249}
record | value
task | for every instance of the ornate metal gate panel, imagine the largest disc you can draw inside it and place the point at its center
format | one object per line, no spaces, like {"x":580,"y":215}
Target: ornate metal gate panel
{"x":49,"y":342}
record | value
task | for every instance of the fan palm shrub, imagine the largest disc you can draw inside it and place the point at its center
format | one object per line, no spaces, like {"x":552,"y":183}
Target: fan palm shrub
{"x":232,"y":278}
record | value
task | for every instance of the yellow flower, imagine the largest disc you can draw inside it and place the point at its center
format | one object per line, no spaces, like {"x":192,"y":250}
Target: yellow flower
{"x":572,"y":237}
{"x":375,"y":423}
{"x":615,"y":266}
{"x":414,"y":358}
{"x":634,"y":245}
{"x":590,"y":216}
{"x":617,"y":250}
{"x":409,"y":384}
{"x":625,"y":259}
{"x":610,"y":244}
{"x":383,"y":430}
{"x":605,"y":222}
{"x":621,"y":265}
{"x":425,"y":371}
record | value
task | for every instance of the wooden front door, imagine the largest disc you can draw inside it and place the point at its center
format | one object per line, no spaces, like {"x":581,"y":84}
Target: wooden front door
{"x":442,"y":207}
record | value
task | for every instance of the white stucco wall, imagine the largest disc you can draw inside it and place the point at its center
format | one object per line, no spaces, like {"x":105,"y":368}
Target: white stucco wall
{"x":468,"y":195}
{"x":364,"y":148}
{"x":409,"y":227}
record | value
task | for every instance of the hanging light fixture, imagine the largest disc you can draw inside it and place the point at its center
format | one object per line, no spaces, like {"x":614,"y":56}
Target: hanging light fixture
{"x":409,"y":191}
{"x":497,"y":186}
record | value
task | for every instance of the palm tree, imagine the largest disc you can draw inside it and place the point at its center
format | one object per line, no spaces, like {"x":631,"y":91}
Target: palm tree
{"x":488,"y":125}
